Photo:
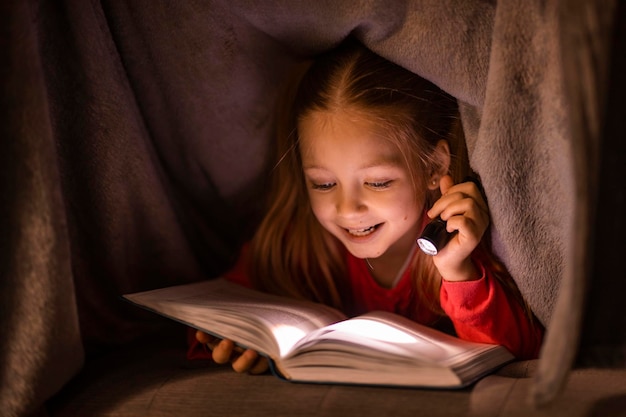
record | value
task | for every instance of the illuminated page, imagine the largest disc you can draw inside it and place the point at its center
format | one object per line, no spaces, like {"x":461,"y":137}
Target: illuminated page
{"x":384,"y":348}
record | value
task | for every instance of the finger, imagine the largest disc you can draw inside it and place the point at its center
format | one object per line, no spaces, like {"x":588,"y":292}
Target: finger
{"x":456,"y":193}
{"x":203,"y":338}
{"x":445,"y":183}
{"x":245,"y":361}
{"x":473,"y":190}
{"x":223,"y":351}
{"x":470,"y":189}
{"x":467,"y":207}
{"x":209,"y":340}
{"x":261,"y":366}
{"x":470,"y":232}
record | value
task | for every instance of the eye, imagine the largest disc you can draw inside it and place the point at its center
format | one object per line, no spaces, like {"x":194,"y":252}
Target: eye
{"x":379,"y":185}
{"x":322,"y":186}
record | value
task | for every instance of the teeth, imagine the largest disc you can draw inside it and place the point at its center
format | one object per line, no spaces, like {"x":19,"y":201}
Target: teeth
{"x":362,"y":232}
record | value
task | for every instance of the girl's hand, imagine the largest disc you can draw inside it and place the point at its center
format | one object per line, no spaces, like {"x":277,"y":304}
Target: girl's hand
{"x":225,"y":351}
{"x":464,"y":209}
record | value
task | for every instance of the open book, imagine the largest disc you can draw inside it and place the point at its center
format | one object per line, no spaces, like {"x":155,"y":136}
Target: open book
{"x":309,"y":342}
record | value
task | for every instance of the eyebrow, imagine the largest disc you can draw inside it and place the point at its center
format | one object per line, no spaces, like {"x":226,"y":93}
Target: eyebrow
{"x":379,"y":162}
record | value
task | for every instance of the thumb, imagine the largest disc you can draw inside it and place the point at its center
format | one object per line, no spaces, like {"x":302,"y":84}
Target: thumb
{"x":445,"y":184}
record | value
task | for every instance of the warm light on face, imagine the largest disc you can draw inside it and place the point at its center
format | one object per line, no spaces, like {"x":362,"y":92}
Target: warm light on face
{"x":359,"y":189}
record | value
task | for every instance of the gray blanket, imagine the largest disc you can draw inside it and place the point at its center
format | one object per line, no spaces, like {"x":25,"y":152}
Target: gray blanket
{"x":134,"y":143}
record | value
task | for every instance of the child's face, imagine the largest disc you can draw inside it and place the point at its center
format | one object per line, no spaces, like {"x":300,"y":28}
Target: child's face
{"x":359,"y":189}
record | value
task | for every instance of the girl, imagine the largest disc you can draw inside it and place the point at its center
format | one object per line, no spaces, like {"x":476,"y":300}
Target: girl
{"x":368,"y":155}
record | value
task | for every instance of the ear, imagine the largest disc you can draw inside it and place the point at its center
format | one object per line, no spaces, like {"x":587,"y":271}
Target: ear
{"x":442,"y":157}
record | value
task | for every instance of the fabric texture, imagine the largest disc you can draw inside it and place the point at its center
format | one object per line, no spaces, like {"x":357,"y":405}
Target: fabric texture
{"x":148,"y":382}
{"x":135,"y":146}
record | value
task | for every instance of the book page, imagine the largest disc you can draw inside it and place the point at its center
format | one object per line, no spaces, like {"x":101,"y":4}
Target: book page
{"x":384,"y":348}
{"x":379,"y":335}
{"x":264,"y":322}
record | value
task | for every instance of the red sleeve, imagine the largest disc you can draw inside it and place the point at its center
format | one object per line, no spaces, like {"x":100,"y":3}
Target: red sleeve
{"x":239,"y":275}
{"x":482,"y":311}
{"x":195,"y":349}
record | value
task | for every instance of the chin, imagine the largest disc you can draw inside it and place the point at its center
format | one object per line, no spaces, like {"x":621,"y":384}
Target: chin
{"x":363,"y":253}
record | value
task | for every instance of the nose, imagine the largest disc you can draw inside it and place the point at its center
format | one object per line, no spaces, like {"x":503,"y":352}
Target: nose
{"x":350,"y":203}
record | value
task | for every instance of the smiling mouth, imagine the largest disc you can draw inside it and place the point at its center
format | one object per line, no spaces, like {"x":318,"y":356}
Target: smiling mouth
{"x":363,"y":232}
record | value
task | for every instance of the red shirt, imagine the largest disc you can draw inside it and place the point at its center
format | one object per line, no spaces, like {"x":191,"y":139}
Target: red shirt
{"x":480,"y":310}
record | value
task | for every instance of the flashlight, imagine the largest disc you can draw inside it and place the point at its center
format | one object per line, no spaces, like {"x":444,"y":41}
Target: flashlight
{"x":434,"y":237}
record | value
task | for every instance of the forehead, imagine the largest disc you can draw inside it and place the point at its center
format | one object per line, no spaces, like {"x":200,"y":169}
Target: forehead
{"x":348,"y":134}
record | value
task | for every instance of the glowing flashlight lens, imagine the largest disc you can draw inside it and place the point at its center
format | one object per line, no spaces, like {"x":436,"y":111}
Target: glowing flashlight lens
{"x":427,"y":247}
{"x":434,"y":237}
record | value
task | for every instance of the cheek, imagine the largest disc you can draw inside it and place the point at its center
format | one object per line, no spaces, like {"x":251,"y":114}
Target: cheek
{"x":409,"y":210}
{"x":320,"y":207}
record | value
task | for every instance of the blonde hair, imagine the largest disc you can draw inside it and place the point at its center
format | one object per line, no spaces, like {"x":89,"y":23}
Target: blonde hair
{"x":291,"y":253}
